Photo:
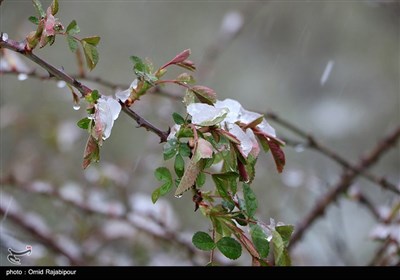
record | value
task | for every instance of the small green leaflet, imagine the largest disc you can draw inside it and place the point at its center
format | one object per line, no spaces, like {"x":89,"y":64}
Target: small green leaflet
{"x":203,"y":241}
{"x":178,"y":119}
{"x":73,"y":28}
{"x":162,"y":174}
{"x":34,"y":20}
{"x":179,"y":165}
{"x":91,"y":54}
{"x":281,"y":254}
{"x":250,"y":200}
{"x":229,"y":247}
{"x":260,"y":240}
{"x":84,"y":123}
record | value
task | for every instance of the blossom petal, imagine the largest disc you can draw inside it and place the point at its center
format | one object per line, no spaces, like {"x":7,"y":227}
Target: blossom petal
{"x":206,"y":115}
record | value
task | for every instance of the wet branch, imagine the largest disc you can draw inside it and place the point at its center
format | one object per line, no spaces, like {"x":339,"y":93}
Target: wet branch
{"x":44,"y":237}
{"x":313,"y":143}
{"x":347,"y":178}
{"x":167,"y":236}
{"x":19,"y":47}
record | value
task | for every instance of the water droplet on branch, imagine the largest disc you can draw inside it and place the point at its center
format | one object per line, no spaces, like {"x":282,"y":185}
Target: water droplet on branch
{"x":76,"y":107}
{"x":178,"y":195}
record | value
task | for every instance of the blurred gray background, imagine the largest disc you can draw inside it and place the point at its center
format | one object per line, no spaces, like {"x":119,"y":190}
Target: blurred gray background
{"x":329,"y":67}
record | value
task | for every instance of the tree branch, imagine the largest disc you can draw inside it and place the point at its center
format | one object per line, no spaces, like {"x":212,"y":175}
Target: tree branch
{"x":44,"y":237}
{"x":19,"y":47}
{"x":347,"y":178}
{"x":168,"y":236}
{"x":316,"y":145}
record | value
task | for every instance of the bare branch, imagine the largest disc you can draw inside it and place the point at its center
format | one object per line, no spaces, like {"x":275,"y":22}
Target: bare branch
{"x":44,"y":237}
{"x":316,"y":145}
{"x":168,"y":236}
{"x":347,"y":178}
{"x":84,"y":90}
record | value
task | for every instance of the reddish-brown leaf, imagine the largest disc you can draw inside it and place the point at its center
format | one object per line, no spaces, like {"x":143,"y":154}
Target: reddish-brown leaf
{"x":277,"y":153}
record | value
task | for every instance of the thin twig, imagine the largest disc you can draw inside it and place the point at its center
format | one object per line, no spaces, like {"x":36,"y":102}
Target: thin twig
{"x":316,"y":145}
{"x":84,"y":90}
{"x":346,"y":180}
{"x":44,"y":237}
{"x":168,"y":236}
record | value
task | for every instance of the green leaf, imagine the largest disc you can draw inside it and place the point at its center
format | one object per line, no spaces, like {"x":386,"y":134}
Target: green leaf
{"x":280,"y":252}
{"x":260,"y":240}
{"x":94,"y":40}
{"x":200,"y":180}
{"x":73,"y":28}
{"x":203,"y":241}
{"x":250,"y":200}
{"x":72,"y":43}
{"x":34,"y":20}
{"x":155,"y":195}
{"x":178,"y":119}
{"x":179,"y":165}
{"x":138,"y":65}
{"x":38,"y":7}
{"x":221,"y":185}
{"x":91,"y":54}
{"x":184,"y":150}
{"x":170,"y":149}
{"x":250,"y":168}
{"x":205,"y":94}
{"x":285,"y":232}
{"x":54,"y":7}
{"x":229,"y":247}
{"x":228,"y":205}
{"x":93,"y":96}
{"x":51,"y":39}
{"x":84,"y":123}
{"x":186,"y":132}
{"x":162,"y":174}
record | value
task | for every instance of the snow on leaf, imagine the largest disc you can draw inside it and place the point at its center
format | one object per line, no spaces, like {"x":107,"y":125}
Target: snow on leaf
{"x":206,"y":115}
{"x":123,"y":95}
{"x":107,"y":111}
{"x":246,"y":143}
{"x":233,"y":106}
